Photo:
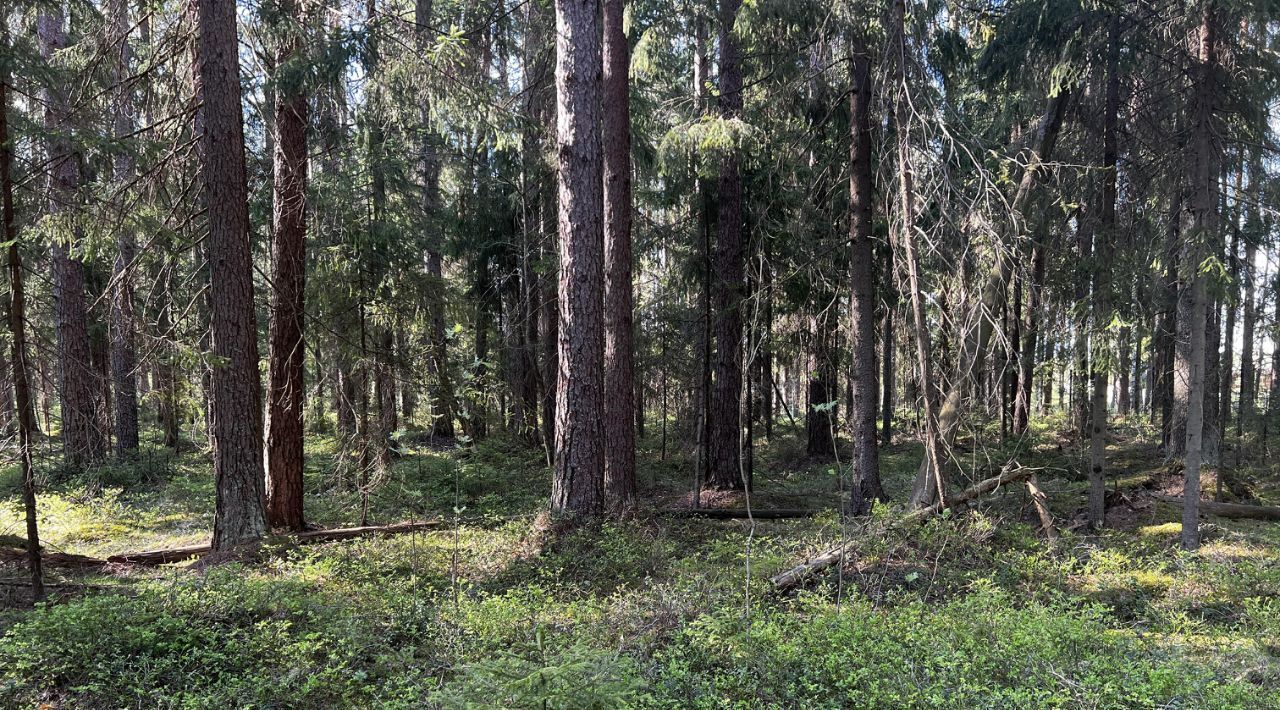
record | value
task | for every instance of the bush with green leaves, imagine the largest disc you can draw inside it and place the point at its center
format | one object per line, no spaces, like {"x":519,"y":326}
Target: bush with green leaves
{"x":976,"y":651}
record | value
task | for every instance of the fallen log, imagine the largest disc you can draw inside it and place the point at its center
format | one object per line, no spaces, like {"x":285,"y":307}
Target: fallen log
{"x":50,"y":559}
{"x":790,"y":578}
{"x":1235,"y":511}
{"x":738,"y":513}
{"x":178,"y":554}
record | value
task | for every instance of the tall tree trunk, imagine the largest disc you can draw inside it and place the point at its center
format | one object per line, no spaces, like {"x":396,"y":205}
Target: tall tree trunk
{"x":1210,"y":439}
{"x":1080,"y":401}
{"x":124,"y":357}
{"x":701,"y":204}
{"x":1031,"y":333}
{"x":1124,"y":368}
{"x":26,"y":413}
{"x":1227,"y":368}
{"x":1103,"y":250}
{"x":578,"y":483}
{"x":1166,"y":336}
{"x":766,"y":385}
{"x":728,"y":276}
{"x":1248,"y":392}
{"x":237,"y":413}
{"x":865,"y":474}
{"x":1203,"y":205}
{"x":443,"y":400}
{"x":619,"y":367}
{"x":83,"y":439}
{"x":286,"y":348}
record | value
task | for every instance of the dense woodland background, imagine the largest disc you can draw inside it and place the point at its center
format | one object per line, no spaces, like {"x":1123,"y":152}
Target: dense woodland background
{"x":595,"y":353}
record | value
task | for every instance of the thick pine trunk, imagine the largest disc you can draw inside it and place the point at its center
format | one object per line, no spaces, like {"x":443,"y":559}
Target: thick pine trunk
{"x":725,"y":444}
{"x":83,"y":438}
{"x":865,"y":484}
{"x":237,"y":414}
{"x":619,"y":365}
{"x":578,"y":483}
{"x":286,"y":350}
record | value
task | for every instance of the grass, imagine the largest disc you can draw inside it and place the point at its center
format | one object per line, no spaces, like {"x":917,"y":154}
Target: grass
{"x":972,"y":610}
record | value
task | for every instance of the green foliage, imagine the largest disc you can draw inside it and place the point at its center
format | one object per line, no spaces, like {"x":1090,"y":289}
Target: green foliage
{"x":976,"y":651}
{"x":575,"y":677}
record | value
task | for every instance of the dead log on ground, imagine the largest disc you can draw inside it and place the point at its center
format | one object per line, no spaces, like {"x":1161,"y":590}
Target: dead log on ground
{"x":50,"y":559}
{"x":790,"y":578}
{"x":178,"y":554}
{"x":1235,"y":511}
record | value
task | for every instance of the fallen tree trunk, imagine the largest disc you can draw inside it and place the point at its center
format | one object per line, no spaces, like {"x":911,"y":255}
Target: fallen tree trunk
{"x":738,"y":513}
{"x":178,"y":554}
{"x":790,"y":578}
{"x":51,"y":559}
{"x":1235,"y":511}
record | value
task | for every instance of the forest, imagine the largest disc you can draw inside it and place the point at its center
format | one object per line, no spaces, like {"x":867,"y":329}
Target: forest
{"x":640,"y":354}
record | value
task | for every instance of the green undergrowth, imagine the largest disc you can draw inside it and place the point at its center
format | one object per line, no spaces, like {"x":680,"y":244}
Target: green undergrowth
{"x":489,"y":610}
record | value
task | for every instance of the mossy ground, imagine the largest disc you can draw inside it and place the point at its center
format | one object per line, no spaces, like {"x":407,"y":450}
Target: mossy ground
{"x":972,"y":610}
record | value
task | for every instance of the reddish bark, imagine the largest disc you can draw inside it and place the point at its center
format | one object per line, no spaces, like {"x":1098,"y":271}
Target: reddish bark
{"x":578,"y":482}
{"x":237,"y":412}
{"x":285,"y":345}
{"x":619,"y":366}
{"x":83,"y":439}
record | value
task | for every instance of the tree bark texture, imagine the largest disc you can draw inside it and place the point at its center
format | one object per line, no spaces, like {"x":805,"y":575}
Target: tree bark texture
{"x":237,"y":414}
{"x":728,"y":277}
{"x":285,"y":347}
{"x":83,"y":439}
{"x":578,"y":481}
{"x":865,"y":485}
{"x":619,"y":364}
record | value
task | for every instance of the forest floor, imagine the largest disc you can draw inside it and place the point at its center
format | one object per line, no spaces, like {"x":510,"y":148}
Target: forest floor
{"x":970,"y":610}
